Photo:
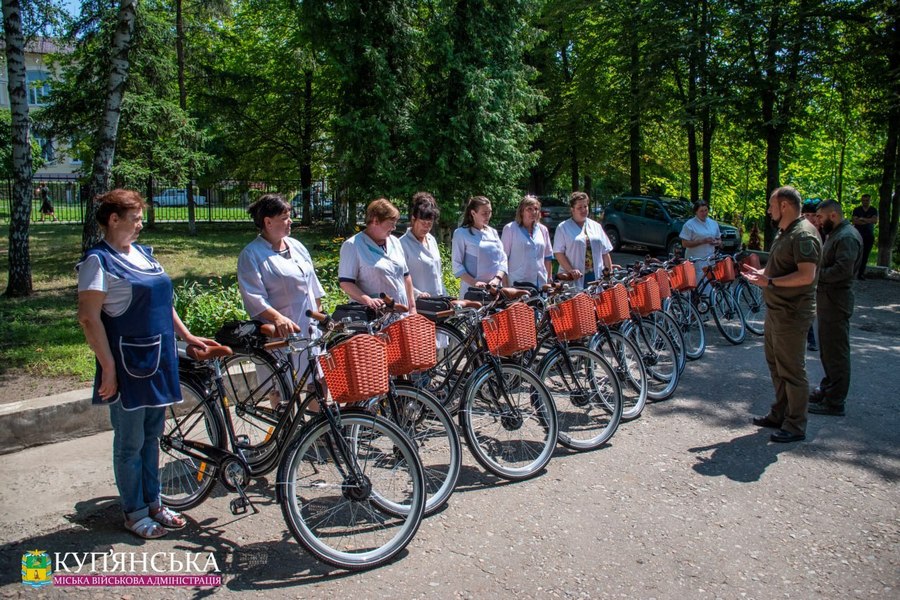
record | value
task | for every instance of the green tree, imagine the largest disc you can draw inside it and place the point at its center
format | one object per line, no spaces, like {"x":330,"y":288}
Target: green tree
{"x":471,"y":135}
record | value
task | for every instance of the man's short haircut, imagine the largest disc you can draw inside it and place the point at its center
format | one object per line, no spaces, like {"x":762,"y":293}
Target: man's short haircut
{"x":788,"y":194}
{"x":831,"y":206}
{"x":869,"y":196}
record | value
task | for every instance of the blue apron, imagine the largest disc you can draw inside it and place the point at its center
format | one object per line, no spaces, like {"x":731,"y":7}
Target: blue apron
{"x":142,"y":339}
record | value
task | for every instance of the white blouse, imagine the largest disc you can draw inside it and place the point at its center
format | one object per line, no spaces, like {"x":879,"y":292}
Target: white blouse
{"x":424,"y":263}
{"x":527,"y":252}
{"x":695,"y":229}
{"x":478,"y":253}
{"x":375,"y":270}
{"x":571,"y":240}
{"x":286,"y":282}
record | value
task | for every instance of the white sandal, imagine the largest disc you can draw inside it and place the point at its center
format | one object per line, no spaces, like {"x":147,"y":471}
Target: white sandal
{"x":146,"y":528}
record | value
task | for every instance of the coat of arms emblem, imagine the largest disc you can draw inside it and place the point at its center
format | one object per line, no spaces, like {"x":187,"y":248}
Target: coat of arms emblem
{"x":36,"y":570}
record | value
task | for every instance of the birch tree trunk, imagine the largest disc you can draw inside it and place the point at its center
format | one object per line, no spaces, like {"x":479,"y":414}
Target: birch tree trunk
{"x":109,"y":124}
{"x":20,"y":283}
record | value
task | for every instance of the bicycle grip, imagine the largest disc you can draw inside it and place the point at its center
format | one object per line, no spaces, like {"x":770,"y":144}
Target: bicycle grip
{"x":317,"y":316}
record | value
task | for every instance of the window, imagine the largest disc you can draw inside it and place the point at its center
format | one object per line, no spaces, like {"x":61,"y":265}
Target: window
{"x":38,"y":83}
{"x":48,"y":152}
{"x":633,"y":207}
{"x":654,"y":211}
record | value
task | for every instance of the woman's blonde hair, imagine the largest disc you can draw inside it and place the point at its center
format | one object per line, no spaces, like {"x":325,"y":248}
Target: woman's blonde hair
{"x":525,"y":203}
{"x":381,"y":209}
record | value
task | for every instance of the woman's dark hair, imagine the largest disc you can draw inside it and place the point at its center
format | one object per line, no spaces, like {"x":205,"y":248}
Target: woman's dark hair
{"x":474,"y":203}
{"x":700,"y":204}
{"x":267,"y":205}
{"x":424,"y":207}
{"x":117,"y":201}
{"x":577,"y":197}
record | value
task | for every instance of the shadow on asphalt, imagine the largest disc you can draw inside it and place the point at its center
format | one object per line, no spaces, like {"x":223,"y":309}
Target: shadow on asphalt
{"x":744,"y":458}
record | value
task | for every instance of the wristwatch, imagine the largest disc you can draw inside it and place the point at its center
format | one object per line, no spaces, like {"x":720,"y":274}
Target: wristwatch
{"x":771,"y":283}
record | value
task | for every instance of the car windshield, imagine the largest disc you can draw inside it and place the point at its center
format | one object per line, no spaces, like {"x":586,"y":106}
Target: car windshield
{"x":679,"y":209}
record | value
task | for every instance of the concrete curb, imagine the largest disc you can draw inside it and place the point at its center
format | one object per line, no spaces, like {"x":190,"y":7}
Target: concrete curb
{"x":50,"y":419}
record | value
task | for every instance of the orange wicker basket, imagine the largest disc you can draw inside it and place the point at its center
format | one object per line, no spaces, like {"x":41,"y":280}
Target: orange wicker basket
{"x":662,"y":279}
{"x":356,"y":369}
{"x":510,"y":331}
{"x":411,"y":345}
{"x":723,"y":270}
{"x":751,"y":260}
{"x":612,"y":305}
{"x":683,"y":276}
{"x":644,"y":296}
{"x":574,"y":318}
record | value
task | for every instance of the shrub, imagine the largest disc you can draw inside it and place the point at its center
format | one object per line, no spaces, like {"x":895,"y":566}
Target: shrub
{"x":205,"y":307}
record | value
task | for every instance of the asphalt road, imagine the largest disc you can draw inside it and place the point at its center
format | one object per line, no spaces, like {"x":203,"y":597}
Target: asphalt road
{"x":689,"y":501}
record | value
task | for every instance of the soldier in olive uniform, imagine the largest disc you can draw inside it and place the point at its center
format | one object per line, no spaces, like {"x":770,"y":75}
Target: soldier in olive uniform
{"x":841,"y":256}
{"x":789,"y":286}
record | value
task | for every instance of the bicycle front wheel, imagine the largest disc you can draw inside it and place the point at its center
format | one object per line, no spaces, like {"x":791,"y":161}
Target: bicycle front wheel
{"x":691,"y":325}
{"x":186,"y":478}
{"x":509,"y":421}
{"x":625,"y":359}
{"x":659,"y":357}
{"x":334,"y":485}
{"x":586,"y":394}
{"x":750,"y":300}
{"x":727,"y":315}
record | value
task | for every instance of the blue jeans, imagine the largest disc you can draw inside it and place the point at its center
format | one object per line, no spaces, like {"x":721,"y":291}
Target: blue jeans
{"x":136,"y":457}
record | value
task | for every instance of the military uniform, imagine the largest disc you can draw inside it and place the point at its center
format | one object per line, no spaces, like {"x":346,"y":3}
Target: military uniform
{"x":841,"y":256}
{"x":790,"y":311}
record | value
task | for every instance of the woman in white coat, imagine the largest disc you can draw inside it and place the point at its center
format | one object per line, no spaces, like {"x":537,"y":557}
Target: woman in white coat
{"x":477,"y":252}
{"x":423,"y":257}
{"x":373,"y":263}
{"x":580,"y":245}
{"x":526,"y":242}
{"x":276,"y":276}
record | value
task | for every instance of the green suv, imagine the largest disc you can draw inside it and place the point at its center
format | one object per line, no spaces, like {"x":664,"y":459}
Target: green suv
{"x":656,"y":222}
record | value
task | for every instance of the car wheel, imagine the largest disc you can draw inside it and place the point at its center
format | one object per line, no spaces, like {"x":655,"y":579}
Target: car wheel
{"x":613,"y":234}
{"x":674,"y":246}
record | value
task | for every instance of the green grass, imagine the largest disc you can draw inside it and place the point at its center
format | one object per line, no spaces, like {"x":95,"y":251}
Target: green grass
{"x":41,"y":335}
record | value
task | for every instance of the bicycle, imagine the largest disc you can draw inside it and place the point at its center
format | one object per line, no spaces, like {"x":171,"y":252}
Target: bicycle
{"x":711,"y":296}
{"x":507,"y":415}
{"x":584,"y":386}
{"x":255,"y":377}
{"x":749,"y":299}
{"x":350,"y":483}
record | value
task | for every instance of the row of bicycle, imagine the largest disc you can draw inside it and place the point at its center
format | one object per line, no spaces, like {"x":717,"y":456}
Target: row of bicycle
{"x":363,"y":430}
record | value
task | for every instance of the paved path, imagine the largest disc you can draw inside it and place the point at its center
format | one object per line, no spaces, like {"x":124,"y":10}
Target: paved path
{"x":689,"y":501}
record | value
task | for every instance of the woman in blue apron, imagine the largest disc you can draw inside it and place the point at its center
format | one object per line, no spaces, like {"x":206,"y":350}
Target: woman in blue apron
{"x":125,"y":309}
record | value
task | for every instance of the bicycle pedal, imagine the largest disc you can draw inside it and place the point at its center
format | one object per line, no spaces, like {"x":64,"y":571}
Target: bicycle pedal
{"x":239,"y":506}
{"x":243,"y":441}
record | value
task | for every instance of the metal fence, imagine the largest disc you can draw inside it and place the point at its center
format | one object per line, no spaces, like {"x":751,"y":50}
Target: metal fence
{"x":226,"y":201}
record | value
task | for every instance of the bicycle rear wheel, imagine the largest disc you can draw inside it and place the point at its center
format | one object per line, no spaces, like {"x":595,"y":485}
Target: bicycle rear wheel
{"x":586,"y":393}
{"x":258,"y":393}
{"x":727,"y":315}
{"x":625,"y":359}
{"x":750,"y":300}
{"x":433,"y":433}
{"x":441,"y":378}
{"x":185,"y":477}
{"x":510,"y":425}
{"x":334,"y":485}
